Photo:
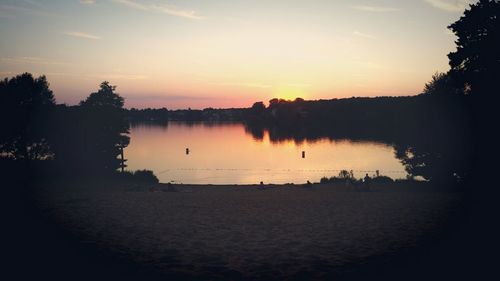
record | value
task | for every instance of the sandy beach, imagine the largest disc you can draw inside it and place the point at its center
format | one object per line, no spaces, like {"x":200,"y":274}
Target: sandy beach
{"x":250,"y":232}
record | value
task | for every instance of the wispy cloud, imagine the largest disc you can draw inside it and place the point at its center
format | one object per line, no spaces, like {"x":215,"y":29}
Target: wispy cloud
{"x":32,"y":60}
{"x":103,"y":76}
{"x":6,"y":73}
{"x":165,"y":9}
{"x":132,"y":4}
{"x":375,"y":9}
{"x":87,"y":2}
{"x":190,"y":14}
{"x":364,"y":35}
{"x":168,"y":97}
{"x":120,"y":76}
{"x":82,"y":35}
{"x":11,"y":11}
{"x":247,"y":85}
{"x":450,"y":5}
{"x":34,"y":3}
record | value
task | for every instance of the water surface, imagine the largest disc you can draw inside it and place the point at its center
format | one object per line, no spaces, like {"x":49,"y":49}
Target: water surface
{"x":226,"y":153}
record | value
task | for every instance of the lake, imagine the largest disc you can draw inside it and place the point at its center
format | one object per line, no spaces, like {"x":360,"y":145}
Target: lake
{"x":225,"y":153}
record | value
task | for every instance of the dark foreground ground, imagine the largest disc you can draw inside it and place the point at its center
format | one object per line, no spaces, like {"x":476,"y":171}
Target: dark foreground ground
{"x":124,"y":231}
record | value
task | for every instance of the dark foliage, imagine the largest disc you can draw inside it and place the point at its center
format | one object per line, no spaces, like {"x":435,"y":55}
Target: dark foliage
{"x":382,"y":180}
{"x":25,"y":107}
{"x":344,"y":177}
{"x":431,"y":132}
{"x":82,"y":140}
{"x":140,"y":176}
{"x":104,"y":129}
{"x":145,"y":176}
{"x":475,"y":65}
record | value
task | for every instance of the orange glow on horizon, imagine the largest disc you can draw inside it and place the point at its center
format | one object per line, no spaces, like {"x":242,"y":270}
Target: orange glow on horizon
{"x":232,"y":55}
{"x":290,"y":92}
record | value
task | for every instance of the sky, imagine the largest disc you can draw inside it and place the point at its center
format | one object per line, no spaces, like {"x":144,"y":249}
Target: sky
{"x":228,"y":53}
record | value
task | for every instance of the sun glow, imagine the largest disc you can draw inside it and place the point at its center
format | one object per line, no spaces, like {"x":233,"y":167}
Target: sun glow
{"x":290,"y":92}
{"x":227,"y":54}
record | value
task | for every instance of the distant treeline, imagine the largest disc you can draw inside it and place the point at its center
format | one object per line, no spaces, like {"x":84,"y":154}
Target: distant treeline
{"x":388,"y":119}
{"x":163,"y":115}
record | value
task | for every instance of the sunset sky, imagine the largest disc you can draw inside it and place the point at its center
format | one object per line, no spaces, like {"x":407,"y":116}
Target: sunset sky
{"x":227,"y":53}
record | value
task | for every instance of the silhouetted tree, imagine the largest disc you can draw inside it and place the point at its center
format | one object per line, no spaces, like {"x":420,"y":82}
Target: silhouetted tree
{"x":258,"y":108}
{"x":25,"y":105}
{"x":105,"y":128}
{"x":428,"y":164}
{"x":476,"y":62}
{"x":344,"y":174}
{"x":105,"y":98}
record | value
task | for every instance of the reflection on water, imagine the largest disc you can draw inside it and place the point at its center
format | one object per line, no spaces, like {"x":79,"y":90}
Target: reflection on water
{"x":226,"y":153}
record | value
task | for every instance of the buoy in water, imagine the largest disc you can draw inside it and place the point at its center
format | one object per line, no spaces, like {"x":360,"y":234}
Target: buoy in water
{"x":187,"y":151}
{"x":303,"y":154}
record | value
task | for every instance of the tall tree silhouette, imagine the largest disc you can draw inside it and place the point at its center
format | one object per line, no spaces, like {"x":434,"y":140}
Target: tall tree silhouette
{"x":105,"y":128}
{"x":464,"y":94}
{"x":476,"y":62}
{"x":25,"y":104}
